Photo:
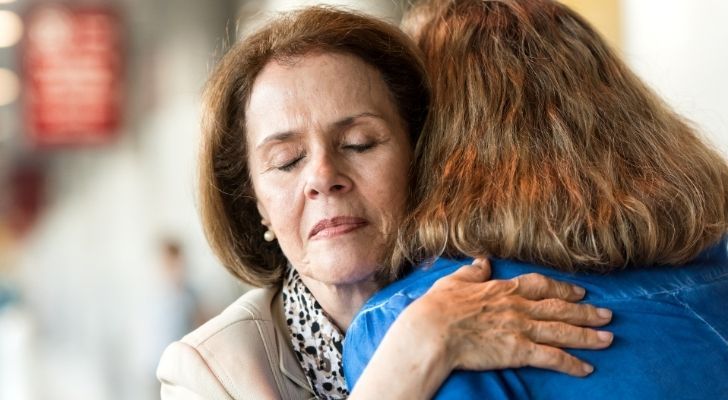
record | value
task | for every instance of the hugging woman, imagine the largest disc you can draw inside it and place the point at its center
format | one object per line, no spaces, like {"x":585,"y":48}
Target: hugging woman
{"x":545,"y":151}
{"x":309,"y":129}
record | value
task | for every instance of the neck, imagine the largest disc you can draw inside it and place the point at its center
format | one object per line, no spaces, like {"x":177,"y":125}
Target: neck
{"x":341,"y":302}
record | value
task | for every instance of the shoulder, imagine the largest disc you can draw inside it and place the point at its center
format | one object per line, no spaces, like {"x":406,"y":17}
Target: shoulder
{"x":383,"y":307}
{"x":229,"y":355}
{"x":400,"y":293}
{"x":369,"y":326}
{"x":248,"y":311}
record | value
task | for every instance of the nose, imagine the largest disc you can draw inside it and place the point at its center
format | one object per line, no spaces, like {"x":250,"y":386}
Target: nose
{"x":326,"y":178}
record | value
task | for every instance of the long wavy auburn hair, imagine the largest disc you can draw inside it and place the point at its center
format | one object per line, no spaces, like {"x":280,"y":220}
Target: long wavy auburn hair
{"x":542,"y":146}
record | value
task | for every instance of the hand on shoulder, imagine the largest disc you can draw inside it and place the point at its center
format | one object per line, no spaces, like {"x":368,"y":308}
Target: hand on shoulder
{"x":482,"y":324}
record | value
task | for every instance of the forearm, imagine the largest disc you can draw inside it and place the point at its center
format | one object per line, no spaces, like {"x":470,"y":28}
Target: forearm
{"x":410,"y":363}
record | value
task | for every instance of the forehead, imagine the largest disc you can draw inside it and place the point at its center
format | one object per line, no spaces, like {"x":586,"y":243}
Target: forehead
{"x":318,"y":89}
{"x":317,"y":70}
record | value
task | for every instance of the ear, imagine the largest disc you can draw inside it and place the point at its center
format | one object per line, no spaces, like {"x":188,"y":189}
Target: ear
{"x":263,"y":214}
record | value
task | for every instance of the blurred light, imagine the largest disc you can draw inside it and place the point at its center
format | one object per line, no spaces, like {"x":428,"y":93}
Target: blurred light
{"x":11,"y":28}
{"x":6,"y":1}
{"x":9,"y":87}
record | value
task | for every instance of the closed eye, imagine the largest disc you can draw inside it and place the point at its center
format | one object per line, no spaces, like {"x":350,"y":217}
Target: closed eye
{"x":359,"y":148}
{"x":288,"y":166}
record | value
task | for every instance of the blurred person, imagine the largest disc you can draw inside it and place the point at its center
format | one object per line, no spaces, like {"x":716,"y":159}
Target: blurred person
{"x":309,"y":127}
{"x":543,"y":150}
{"x":189,"y":313}
{"x":175,"y":310}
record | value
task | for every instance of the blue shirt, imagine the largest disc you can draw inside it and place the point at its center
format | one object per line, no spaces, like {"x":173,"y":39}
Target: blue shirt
{"x":670,"y":326}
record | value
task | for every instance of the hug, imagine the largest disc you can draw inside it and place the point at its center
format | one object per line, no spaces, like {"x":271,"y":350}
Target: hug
{"x":425,"y":214}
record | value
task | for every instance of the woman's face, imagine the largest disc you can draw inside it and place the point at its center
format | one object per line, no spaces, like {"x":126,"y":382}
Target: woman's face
{"x":329,"y":157}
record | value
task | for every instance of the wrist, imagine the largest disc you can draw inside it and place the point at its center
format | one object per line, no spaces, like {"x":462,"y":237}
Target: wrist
{"x":415,"y":350}
{"x":427,"y":340}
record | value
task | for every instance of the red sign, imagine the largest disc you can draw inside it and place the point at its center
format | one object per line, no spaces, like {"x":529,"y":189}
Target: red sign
{"x":72,"y":66}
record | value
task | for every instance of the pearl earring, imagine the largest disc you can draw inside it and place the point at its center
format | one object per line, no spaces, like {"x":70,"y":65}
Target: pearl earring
{"x":269,"y":236}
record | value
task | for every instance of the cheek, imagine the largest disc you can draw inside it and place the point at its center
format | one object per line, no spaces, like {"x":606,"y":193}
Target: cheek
{"x":399,"y":188}
{"x":280,"y":209}
{"x":391,"y":186}
{"x":397,"y":174}
{"x":284,"y":208}
{"x":274,"y":199}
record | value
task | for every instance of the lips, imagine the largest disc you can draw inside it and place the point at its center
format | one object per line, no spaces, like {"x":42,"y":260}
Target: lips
{"x":327,"y":228}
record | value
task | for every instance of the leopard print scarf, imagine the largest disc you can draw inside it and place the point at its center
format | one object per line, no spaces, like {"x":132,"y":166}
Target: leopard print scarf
{"x":316,"y":340}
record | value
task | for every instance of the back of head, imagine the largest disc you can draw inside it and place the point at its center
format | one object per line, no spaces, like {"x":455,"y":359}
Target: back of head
{"x":542,"y":146}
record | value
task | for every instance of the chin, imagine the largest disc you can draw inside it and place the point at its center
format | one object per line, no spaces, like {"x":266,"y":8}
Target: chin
{"x":343,"y":270}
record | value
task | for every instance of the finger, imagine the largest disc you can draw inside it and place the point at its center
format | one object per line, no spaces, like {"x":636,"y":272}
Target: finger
{"x":483,"y":264}
{"x":479,"y":271}
{"x":563,"y":311}
{"x":561,"y":334}
{"x":547,"y":357}
{"x":536,"y":287}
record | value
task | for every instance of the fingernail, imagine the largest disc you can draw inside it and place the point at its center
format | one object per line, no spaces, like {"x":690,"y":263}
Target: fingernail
{"x":579,"y":290}
{"x":605,"y":336}
{"x":604,"y":313}
{"x":588,"y":368}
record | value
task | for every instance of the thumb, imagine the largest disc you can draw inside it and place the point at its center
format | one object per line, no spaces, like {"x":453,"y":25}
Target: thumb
{"x":478,"y":271}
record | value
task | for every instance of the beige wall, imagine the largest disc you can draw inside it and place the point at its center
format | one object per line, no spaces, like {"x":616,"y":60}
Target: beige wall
{"x":605,"y":15}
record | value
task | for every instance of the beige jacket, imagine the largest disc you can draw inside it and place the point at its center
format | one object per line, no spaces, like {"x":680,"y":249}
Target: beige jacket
{"x":243,"y":353}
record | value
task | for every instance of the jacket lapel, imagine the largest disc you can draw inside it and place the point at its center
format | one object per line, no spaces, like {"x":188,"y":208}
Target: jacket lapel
{"x":286,"y":358}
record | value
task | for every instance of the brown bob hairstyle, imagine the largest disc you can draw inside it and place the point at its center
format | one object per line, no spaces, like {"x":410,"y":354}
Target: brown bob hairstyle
{"x":542,"y":146}
{"x":230,"y":218}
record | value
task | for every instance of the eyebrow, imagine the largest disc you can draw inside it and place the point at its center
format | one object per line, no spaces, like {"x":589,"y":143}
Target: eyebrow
{"x":348,"y":121}
{"x":276,"y":137}
{"x":338,"y":125}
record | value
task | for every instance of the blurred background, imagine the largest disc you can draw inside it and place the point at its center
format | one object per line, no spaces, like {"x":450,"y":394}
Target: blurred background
{"x":102,"y":259}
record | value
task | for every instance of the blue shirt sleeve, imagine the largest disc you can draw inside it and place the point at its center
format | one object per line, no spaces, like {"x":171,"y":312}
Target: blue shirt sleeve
{"x":374,"y":319}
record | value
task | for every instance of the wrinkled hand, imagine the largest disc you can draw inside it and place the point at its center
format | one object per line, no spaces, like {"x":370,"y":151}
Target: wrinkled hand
{"x":483,"y":324}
